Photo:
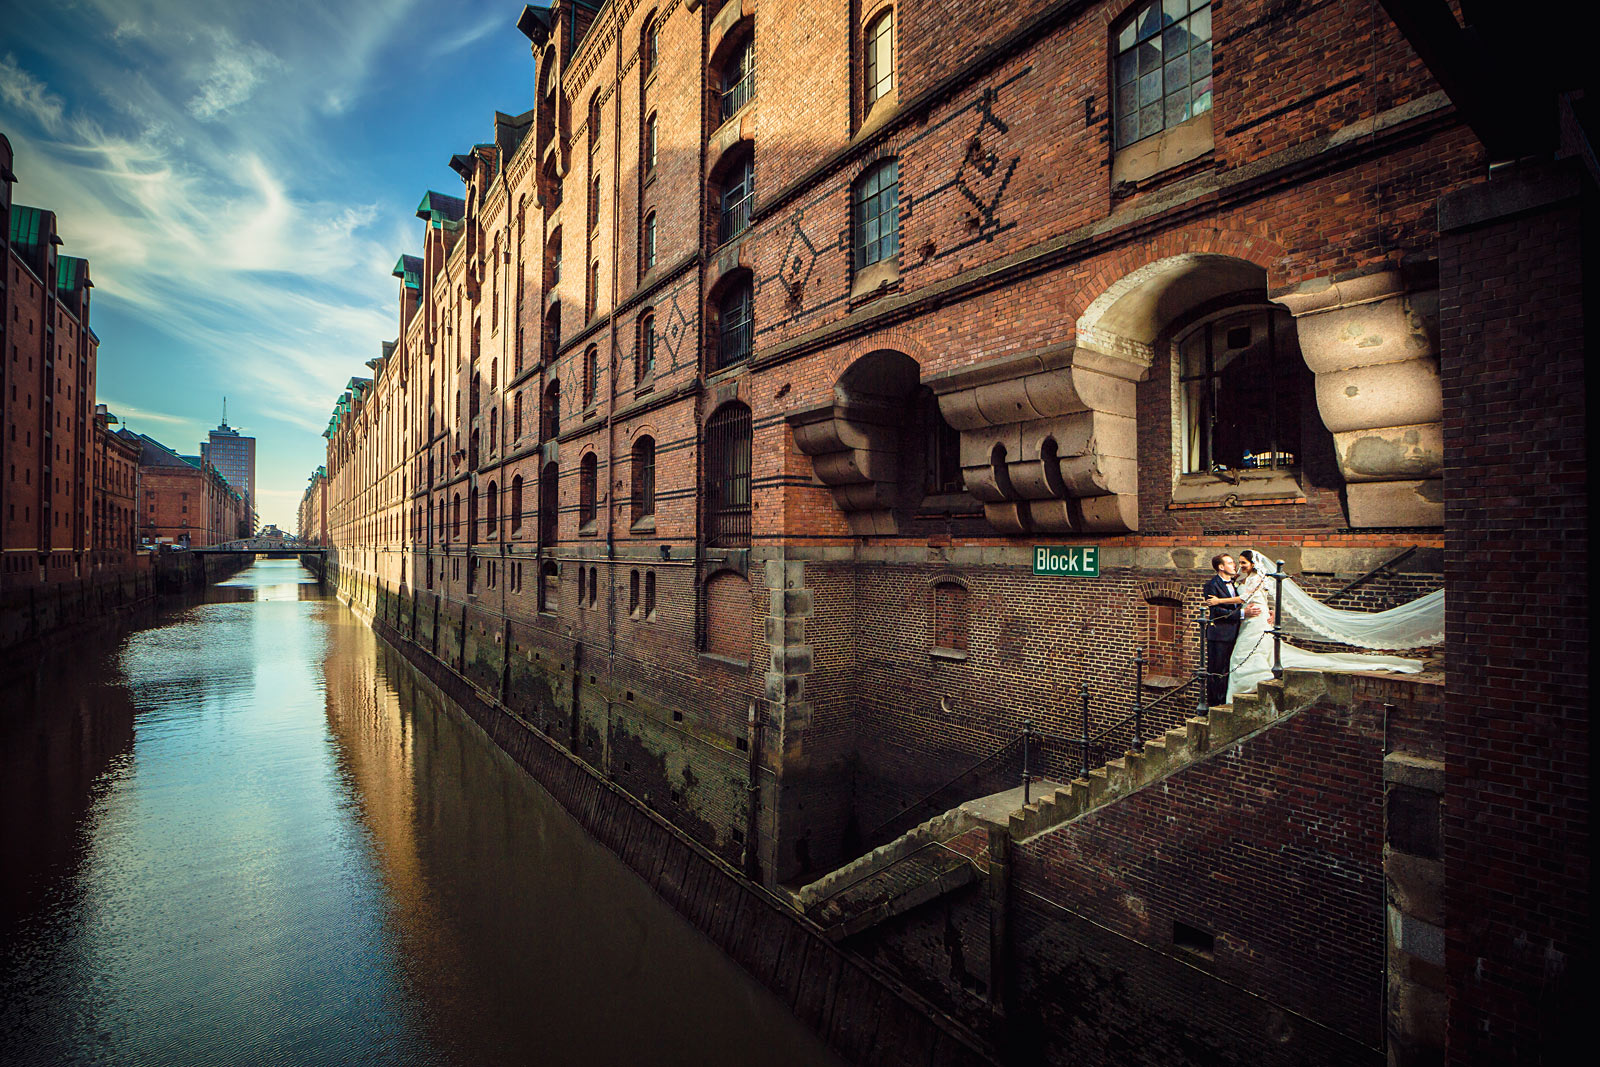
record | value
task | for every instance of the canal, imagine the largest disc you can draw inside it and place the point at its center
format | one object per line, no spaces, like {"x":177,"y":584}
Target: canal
{"x":250,"y":834}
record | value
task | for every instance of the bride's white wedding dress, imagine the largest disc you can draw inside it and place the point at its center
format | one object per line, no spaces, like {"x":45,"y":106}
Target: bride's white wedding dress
{"x":1252,"y":652}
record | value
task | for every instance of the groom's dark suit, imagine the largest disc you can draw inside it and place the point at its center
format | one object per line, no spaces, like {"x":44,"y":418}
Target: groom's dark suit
{"x":1220,"y":636}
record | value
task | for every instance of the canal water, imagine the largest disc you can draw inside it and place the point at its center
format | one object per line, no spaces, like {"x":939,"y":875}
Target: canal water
{"x":249,"y":834}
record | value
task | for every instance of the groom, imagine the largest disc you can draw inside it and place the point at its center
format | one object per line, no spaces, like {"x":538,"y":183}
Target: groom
{"x":1223,"y":631}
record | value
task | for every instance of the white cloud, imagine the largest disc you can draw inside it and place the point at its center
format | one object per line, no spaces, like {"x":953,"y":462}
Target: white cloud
{"x":24,"y":93}
{"x":234,"y":73}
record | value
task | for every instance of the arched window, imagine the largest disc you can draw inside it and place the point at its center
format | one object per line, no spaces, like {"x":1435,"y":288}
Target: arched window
{"x":516,"y":504}
{"x":588,"y":485}
{"x":494,"y":374}
{"x":516,"y":417}
{"x":633,"y":593}
{"x":644,"y":478}
{"x":1241,"y":381}
{"x":878,"y":48}
{"x":594,"y":586}
{"x":649,"y":594}
{"x":647,"y":242}
{"x":474,"y":535}
{"x":651,"y":146}
{"x":594,"y":120}
{"x":549,"y":502}
{"x":591,"y":375}
{"x":455,"y":511}
{"x":594,"y":203}
{"x":550,"y":411}
{"x":728,"y":477}
{"x":549,"y":588}
{"x":492,"y":511}
{"x":738,"y":78}
{"x":494,"y":431}
{"x":728,"y":616}
{"x":591,"y":291}
{"x":1162,"y":67}
{"x":583,"y":585}
{"x":877,"y":214}
{"x":737,"y":193}
{"x":734,"y":323}
{"x":644,"y":360}
{"x":552,"y":333}
{"x":477,"y":389}
{"x":649,"y":47}
{"x":950,"y":617}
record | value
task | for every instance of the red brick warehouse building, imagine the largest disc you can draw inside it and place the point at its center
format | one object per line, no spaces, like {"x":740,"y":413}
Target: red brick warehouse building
{"x":49,"y":443}
{"x":733,"y":395}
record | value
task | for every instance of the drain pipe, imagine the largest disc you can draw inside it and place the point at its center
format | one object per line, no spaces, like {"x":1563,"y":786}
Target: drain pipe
{"x":752,"y":859}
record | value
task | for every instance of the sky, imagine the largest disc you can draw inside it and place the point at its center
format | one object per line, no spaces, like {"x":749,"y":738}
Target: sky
{"x":242,"y":178}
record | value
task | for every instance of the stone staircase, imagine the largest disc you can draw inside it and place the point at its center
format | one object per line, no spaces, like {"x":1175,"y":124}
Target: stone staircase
{"x":952,"y":850}
{"x":1178,"y":748}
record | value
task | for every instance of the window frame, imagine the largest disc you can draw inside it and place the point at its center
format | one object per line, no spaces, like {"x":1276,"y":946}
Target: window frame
{"x":883,"y":200}
{"x":729,"y":451}
{"x":642,"y":470}
{"x":1128,"y":80}
{"x":872,"y":80}
{"x":737,"y":296}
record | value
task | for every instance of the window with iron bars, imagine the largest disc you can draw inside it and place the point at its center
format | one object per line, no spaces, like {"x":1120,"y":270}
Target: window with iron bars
{"x":734,"y":325}
{"x":738,"y":79}
{"x":728,"y":477}
{"x":738,"y":195}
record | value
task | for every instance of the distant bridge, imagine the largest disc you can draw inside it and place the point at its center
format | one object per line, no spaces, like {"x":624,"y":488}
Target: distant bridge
{"x":271,"y":547}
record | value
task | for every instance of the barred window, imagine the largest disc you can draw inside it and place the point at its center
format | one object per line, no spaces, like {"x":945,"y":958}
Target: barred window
{"x":549,"y":502}
{"x":877,"y":221}
{"x":738,"y":195}
{"x":879,"y":40}
{"x":950,"y":617}
{"x":738,"y":79}
{"x":588,"y":485}
{"x":550,"y":413}
{"x":649,"y":47}
{"x":1162,"y":67}
{"x":644,"y":478}
{"x":734,"y":324}
{"x":644,"y":362}
{"x":591,"y":375}
{"x":728,"y":477}
{"x":647,"y":245}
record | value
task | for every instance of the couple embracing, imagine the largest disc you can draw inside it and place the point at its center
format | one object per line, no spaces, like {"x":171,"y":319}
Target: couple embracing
{"x":1239,"y":640}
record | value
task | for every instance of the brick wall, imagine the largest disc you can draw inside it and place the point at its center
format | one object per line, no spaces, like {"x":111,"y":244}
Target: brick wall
{"x":1516,"y":830}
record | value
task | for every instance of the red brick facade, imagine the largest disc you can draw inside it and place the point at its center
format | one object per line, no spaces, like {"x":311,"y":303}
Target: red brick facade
{"x":1019,"y":370}
{"x":48,"y":438}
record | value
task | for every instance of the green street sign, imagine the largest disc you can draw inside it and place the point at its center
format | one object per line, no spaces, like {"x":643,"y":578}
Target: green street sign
{"x":1061,"y":562}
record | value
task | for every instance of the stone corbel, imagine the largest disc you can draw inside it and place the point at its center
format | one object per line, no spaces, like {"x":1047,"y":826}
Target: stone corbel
{"x":1373,"y":347}
{"x":1049,"y":439}
{"x":854,"y":445}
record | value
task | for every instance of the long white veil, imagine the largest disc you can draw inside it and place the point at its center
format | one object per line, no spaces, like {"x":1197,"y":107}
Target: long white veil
{"x":1416,"y":624}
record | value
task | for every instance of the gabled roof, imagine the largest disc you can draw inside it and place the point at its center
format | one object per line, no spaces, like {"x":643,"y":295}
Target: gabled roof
{"x":409,"y":270}
{"x":31,"y":229}
{"x":440,"y":210}
{"x":72,"y":274}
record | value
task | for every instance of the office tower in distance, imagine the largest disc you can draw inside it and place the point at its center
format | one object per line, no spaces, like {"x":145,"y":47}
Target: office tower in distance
{"x":234,"y":456}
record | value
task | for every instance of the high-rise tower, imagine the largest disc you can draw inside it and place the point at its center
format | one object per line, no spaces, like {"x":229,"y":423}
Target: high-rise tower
{"x":234,"y":456}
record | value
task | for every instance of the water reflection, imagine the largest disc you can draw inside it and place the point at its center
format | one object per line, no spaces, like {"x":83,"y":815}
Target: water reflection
{"x":287,"y":852}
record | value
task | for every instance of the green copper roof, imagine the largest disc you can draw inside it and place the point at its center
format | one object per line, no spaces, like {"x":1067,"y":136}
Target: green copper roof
{"x":28,"y":234}
{"x":409,"y":270}
{"x":72,"y":273}
{"x":443,"y":211}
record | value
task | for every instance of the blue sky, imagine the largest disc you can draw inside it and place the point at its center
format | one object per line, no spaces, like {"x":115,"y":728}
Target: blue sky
{"x":242,"y":178}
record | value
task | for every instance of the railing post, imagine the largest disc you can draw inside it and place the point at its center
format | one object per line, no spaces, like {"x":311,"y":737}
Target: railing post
{"x":1138,"y":702}
{"x":1083,"y":692}
{"x":1027,"y":778}
{"x":1202,"y":674}
{"x":1277,"y":622}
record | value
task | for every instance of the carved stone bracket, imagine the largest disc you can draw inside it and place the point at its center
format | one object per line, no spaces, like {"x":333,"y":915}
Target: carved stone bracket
{"x":1049,"y":440}
{"x":855,"y":445}
{"x":1373,"y":347}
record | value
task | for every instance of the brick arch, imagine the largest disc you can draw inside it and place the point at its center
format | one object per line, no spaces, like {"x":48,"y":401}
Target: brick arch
{"x":1151,"y":592}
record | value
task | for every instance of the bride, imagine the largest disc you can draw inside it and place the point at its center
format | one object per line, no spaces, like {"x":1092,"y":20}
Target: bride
{"x":1412,"y":625}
